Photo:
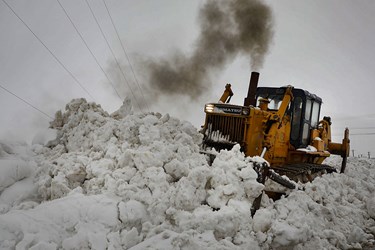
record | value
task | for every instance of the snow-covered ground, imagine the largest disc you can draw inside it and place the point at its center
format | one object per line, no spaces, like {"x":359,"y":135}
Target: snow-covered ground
{"x":128,"y":181}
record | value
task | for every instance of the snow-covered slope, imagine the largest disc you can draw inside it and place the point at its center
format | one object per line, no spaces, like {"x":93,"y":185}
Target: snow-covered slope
{"x":125,"y":181}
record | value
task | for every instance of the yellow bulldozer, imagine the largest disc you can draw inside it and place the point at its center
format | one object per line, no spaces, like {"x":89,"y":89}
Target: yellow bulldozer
{"x":279,"y":124}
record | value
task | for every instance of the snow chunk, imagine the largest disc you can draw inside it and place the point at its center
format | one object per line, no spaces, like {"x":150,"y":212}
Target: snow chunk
{"x":262,"y":220}
{"x":309,"y":148}
{"x":133,"y":214}
{"x":125,"y":110}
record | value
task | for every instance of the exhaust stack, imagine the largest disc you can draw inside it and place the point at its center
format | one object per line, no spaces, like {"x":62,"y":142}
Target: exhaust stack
{"x":251,"y":94}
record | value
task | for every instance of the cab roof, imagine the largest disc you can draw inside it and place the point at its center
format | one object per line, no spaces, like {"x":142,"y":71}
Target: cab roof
{"x":272,"y":91}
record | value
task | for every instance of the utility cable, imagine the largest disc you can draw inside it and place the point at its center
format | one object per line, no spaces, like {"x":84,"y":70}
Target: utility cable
{"x":45,"y":46}
{"x":92,"y":54}
{"x":126,"y":54}
{"x":118,"y":64}
{"x":360,"y":128}
{"x":37,"y":109}
{"x":349,"y":118}
{"x":355,"y":134}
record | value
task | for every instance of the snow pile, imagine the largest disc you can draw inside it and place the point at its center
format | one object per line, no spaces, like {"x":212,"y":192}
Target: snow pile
{"x":127,"y":181}
{"x":144,"y":172}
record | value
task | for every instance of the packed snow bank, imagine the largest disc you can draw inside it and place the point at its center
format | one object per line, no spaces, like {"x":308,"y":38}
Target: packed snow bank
{"x":122,"y":180}
{"x":16,"y":170}
{"x":12,"y":171}
{"x":73,"y":222}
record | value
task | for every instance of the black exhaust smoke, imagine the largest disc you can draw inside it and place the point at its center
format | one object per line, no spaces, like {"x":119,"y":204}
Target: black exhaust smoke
{"x":228,"y":29}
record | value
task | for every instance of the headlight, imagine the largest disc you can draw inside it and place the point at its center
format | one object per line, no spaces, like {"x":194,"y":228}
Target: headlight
{"x":245,"y":111}
{"x":209,"y":108}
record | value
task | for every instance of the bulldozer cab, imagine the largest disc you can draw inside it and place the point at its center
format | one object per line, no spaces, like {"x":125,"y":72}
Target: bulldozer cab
{"x":304,"y":111}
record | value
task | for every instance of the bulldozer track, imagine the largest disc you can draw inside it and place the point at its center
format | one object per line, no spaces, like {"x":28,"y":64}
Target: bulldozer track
{"x":282,"y":181}
{"x":264,"y":172}
{"x":304,"y":172}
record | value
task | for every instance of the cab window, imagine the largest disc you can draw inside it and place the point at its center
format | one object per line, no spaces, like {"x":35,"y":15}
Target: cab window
{"x":296,"y":123}
{"x":275,"y":101}
{"x":308,"y":110}
{"x":315,"y":115}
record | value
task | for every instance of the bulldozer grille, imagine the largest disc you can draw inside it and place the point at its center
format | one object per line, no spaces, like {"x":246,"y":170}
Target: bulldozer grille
{"x":224,"y":130}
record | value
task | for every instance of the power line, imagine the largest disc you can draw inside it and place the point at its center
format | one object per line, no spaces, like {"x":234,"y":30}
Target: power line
{"x":358,"y":128}
{"x":118,"y":64}
{"x":349,"y":118}
{"x":45,"y":46}
{"x":37,"y":109}
{"x":126,"y":54}
{"x":363,"y":134}
{"x":92,"y":54}
{"x":355,"y":134}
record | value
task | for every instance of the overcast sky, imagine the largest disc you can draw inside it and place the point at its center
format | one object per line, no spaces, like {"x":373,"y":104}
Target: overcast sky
{"x":325,"y":47}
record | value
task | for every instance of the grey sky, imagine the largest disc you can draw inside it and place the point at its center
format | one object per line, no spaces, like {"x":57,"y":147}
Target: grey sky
{"x":325,"y":47}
